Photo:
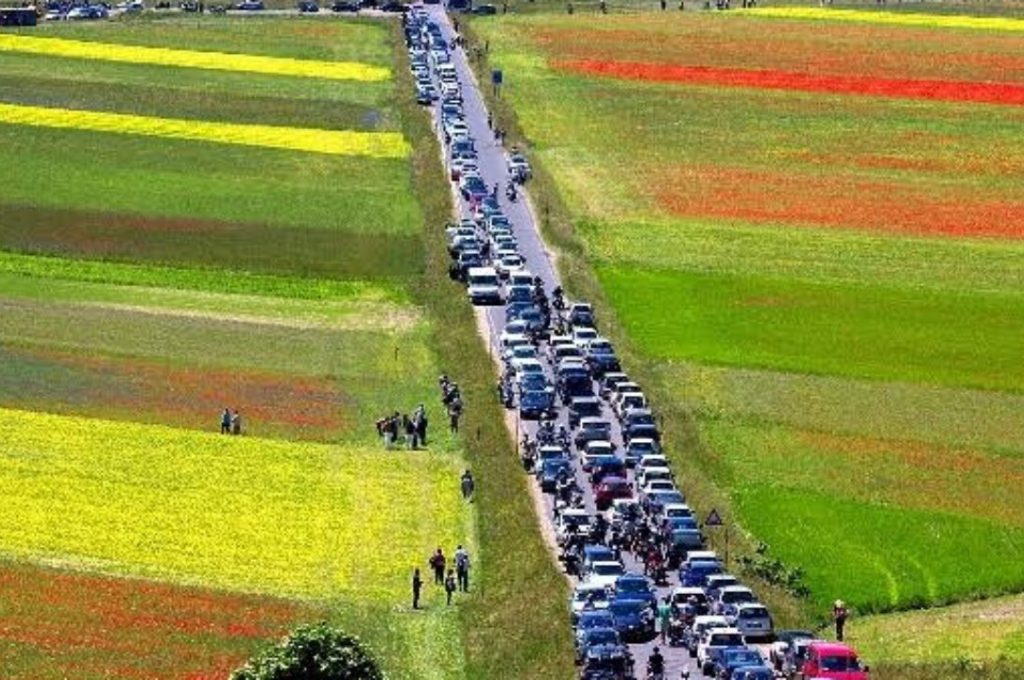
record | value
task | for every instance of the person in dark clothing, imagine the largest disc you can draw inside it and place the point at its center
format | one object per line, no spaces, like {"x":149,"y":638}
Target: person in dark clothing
{"x":225,"y":421}
{"x":437,"y":563}
{"x":468,"y":485}
{"x":839,"y":614}
{"x":236,"y":422}
{"x":462,"y":568}
{"x":417,"y":586}
{"x":449,"y":586}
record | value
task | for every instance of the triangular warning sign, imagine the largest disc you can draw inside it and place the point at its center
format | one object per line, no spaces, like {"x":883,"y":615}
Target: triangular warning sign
{"x":714,"y":519}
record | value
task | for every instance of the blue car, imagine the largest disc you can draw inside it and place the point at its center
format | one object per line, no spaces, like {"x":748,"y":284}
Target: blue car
{"x":752,"y":673}
{"x":593,"y":618}
{"x":595,"y":552}
{"x":695,"y":575}
{"x":536,"y":404}
{"x":550,"y":473}
{"x":594,"y":637}
{"x":635,"y":587}
{"x":727,"y":659}
{"x":633,"y":619}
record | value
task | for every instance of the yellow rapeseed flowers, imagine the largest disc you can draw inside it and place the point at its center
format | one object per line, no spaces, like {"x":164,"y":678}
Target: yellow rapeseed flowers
{"x":336,"y":142}
{"x":217,"y":61}
{"x":895,"y":18}
{"x":244,"y":513}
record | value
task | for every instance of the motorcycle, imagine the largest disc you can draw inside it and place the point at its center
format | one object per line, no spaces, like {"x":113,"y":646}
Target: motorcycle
{"x":510,"y":192}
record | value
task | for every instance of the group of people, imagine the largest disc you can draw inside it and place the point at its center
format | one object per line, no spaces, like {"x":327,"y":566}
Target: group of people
{"x":230,"y":421}
{"x":451,"y":579}
{"x":395,"y":427}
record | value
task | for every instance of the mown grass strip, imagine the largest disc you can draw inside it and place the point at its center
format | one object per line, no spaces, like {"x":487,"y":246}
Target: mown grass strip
{"x":332,"y":142}
{"x":217,"y":61}
{"x":892,"y":18}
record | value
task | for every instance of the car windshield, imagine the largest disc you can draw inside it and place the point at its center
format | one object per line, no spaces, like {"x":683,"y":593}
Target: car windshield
{"x":743,"y":657}
{"x":726,"y":640}
{"x":596,"y":620}
{"x":627,"y":606}
{"x":733,"y":596}
{"x":632,"y":585}
{"x":607,"y":569}
{"x":840,"y":663}
{"x":753,"y":613}
{"x":602,"y":636}
{"x":595,"y":594}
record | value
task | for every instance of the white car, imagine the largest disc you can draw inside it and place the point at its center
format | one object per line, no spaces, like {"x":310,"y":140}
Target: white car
{"x":670,"y":510}
{"x":521,"y":353}
{"x":572,"y":521}
{"x":508,"y":263}
{"x":715,"y":638}
{"x":581,"y":336}
{"x":595,"y":450}
{"x":622,"y":508}
{"x":754,"y":621}
{"x":715,"y":582}
{"x":604,"y":573}
{"x":729,"y":598}
{"x":587,"y":596}
{"x":648,"y":475}
{"x":484,"y":286}
{"x":529,"y":366}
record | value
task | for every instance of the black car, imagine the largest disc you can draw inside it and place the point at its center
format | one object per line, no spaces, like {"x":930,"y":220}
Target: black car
{"x":308,"y":7}
{"x":461,"y":266}
{"x":601,"y":363}
{"x":534,"y":405}
{"x":583,"y":407}
{"x":581,"y":315}
{"x":394,"y":6}
{"x":484,"y":10}
{"x":344,"y":6}
{"x":574,"y":382}
{"x":641,"y":431}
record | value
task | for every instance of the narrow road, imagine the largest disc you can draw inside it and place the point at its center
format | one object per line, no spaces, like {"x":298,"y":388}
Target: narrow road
{"x":492,"y":163}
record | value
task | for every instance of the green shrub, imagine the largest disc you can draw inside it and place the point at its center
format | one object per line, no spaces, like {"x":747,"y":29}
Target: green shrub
{"x":313,"y":652}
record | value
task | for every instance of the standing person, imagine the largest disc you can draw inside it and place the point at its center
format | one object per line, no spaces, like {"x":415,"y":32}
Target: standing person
{"x":467,"y":485}
{"x":462,"y":568}
{"x":422,"y":426}
{"x":417,"y":586}
{"x":410,"y":433}
{"x":236,"y":422}
{"x":225,"y":421}
{"x":454,"y":411}
{"x":437,"y":562}
{"x":839,"y":614}
{"x":449,"y":586}
{"x":664,"y":618}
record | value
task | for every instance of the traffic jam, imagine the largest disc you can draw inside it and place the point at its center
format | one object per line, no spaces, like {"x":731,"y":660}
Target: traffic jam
{"x":649,"y":599}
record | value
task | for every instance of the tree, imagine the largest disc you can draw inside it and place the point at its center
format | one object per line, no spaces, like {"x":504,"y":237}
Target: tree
{"x":312,"y":652}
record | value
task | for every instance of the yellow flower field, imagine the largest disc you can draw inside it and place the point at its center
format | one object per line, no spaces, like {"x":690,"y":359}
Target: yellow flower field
{"x":216,"y":61}
{"x":895,"y":18}
{"x":242,"y":513}
{"x":335,"y":142}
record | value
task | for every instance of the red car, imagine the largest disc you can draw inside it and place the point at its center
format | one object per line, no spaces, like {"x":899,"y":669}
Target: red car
{"x":609,"y":489}
{"x":834,"y":661}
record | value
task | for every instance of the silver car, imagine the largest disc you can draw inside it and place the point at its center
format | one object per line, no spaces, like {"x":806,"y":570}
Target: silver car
{"x":754,"y":621}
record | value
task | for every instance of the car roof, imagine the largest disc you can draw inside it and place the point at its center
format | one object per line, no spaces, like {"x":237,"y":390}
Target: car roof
{"x":833,"y":648}
{"x":606,"y":563}
{"x":575,"y":512}
{"x":594,"y":419}
{"x":727,"y":631}
{"x":700,"y":555}
{"x":641,"y":440}
{"x":708,"y":618}
{"x":736,"y":589}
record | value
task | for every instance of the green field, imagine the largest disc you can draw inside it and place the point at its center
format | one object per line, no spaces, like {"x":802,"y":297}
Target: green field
{"x":822,"y":290}
{"x":145,"y":285}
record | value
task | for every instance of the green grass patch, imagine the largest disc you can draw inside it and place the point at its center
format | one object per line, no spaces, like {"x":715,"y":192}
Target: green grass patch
{"x":880,"y":557}
{"x":857,"y":331}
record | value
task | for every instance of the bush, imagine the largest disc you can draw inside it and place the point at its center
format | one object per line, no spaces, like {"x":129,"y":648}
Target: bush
{"x":313,"y":652}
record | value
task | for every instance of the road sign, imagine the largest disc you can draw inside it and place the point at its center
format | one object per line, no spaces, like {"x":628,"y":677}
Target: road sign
{"x":497,"y":76}
{"x":714,"y":519}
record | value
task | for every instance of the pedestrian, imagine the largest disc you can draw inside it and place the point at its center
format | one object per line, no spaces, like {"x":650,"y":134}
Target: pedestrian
{"x":437,"y":562}
{"x":421,"y":426}
{"x":410,"y":433}
{"x":664,"y":4}
{"x":236,"y":422}
{"x":664,"y":617}
{"x":468,"y":485}
{"x":462,"y":568}
{"x":449,"y":586}
{"x":454,"y":411}
{"x":225,"y":421}
{"x":490,"y":121}
{"x":839,"y":614}
{"x":417,"y":586}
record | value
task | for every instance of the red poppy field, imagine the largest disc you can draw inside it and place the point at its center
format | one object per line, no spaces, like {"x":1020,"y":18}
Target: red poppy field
{"x":60,"y":624}
{"x":827,"y":202}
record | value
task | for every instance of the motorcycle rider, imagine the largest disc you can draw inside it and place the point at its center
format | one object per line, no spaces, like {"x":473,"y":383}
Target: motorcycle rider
{"x":656,"y":665}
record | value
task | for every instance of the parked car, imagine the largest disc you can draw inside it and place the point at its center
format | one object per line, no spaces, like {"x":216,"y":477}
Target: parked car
{"x":592,"y":638}
{"x":753,"y":620}
{"x":832,"y":661}
{"x":604,"y":573}
{"x":250,"y":5}
{"x":484,"y":288}
{"x":587,"y":596}
{"x":536,"y":404}
{"x":730,"y":658}
{"x":307,"y":7}
{"x":635,"y":587}
{"x":592,"y":429}
{"x":344,"y":6}
{"x":633,"y":619}
{"x":783,"y":639}
{"x":583,"y":407}
{"x":715,"y":639}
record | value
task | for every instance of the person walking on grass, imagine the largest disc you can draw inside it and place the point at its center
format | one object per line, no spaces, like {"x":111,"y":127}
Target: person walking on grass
{"x":462,"y":568}
{"x":468,"y":485}
{"x":417,"y":586}
{"x":449,"y":586}
{"x":437,"y":563}
{"x":225,"y":421}
{"x":839,"y":614}
{"x":236,"y":422}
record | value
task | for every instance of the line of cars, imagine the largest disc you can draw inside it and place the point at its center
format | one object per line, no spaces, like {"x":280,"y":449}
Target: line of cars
{"x":559,"y":369}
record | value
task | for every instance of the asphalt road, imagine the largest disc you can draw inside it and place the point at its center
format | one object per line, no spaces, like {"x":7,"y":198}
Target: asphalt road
{"x":492,"y":164}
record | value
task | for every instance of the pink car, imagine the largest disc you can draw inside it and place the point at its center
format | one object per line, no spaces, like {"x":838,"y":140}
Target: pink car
{"x":833,"y":661}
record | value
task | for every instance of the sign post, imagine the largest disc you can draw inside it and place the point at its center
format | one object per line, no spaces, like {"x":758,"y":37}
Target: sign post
{"x":714,"y":519}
